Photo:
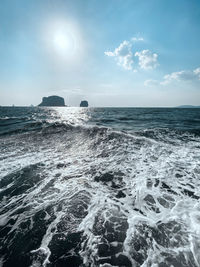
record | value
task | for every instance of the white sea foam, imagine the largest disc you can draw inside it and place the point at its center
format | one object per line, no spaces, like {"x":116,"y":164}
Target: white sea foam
{"x":114,"y":199}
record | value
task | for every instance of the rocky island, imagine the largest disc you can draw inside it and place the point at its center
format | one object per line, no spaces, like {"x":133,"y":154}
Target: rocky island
{"x":84,"y":103}
{"x":52,"y":101}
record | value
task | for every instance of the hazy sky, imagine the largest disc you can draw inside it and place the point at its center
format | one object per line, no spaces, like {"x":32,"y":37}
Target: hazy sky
{"x":110,"y":52}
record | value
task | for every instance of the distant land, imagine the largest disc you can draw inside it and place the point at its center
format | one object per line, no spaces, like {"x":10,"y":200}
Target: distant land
{"x":52,"y":101}
{"x":58,"y":101}
{"x":188,"y":106}
{"x":84,"y":103}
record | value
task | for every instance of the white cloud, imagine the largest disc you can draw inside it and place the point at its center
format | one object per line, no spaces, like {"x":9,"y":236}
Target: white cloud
{"x":137,"y":39}
{"x":184,"y":75}
{"x":151,"y":83}
{"x":197,"y":72}
{"x":123,"y":55}
{"x":109,"y":54}
{"x":147,"y":59}
{"x":178,"y":76}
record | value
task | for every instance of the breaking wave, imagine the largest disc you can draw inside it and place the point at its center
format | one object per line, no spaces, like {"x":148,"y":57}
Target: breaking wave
{"x":83,"y":195}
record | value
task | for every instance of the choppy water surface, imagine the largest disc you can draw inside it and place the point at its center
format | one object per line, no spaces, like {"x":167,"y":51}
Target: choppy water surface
{"x":99,"y":187}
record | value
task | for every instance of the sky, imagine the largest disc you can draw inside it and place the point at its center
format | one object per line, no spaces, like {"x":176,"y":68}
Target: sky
{"x":136,"y":53}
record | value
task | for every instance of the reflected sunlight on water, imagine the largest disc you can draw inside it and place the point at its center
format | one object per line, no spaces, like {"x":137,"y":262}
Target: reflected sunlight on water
{"x":72,"y":115}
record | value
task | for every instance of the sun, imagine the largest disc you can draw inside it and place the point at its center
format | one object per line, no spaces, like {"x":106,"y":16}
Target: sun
{"x":64,"y":41}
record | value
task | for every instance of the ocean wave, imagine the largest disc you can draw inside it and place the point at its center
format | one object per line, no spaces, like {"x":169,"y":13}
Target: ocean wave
{"x":49,"y":127}
{"x":84,"y":195}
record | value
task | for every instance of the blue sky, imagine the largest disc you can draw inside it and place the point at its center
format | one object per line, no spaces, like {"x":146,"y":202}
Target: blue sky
{"x":112,"y":53}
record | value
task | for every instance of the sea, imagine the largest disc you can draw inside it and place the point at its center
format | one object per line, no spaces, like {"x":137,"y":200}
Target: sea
{"x":99,"y":187}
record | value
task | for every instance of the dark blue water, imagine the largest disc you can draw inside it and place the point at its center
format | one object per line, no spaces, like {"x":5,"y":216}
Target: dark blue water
{"x":99,"y":187}
{"x":130,"y":119}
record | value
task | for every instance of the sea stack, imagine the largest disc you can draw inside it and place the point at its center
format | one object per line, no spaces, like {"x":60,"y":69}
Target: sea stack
{"x":84,"y":103}
{"x":52,"y":101}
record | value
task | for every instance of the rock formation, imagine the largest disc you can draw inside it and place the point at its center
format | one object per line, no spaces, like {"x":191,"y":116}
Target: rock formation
{"x":52,"y":101}
{"x":84,"y":103}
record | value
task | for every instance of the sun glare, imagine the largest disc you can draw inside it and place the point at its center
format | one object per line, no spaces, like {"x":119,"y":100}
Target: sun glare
{"x":63,"y":40}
